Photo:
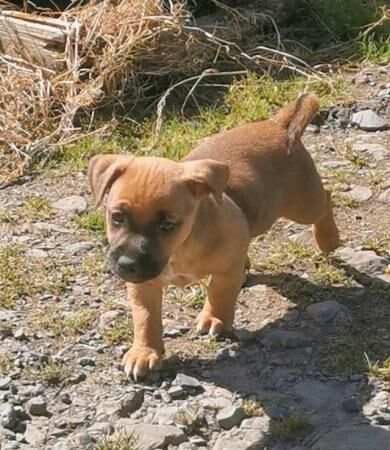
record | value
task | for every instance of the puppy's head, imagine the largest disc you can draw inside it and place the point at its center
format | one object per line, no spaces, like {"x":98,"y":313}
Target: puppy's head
{"x":151,"y":207}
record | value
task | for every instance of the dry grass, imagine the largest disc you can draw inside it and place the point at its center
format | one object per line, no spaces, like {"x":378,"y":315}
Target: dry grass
{"x":114,"y":50}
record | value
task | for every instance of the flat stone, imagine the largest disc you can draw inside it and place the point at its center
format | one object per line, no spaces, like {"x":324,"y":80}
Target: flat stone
{"x":284,"y":338}
{"x":384,"y":197}
{"x":351,"y":405}
{"x":176,"y":391}
{"x":252,"y":435}
{"x":85,"y":361}
{"x":37,"y":406}
{"x":34,"y":436}
{"x":363,"y":260}
{"x":360,"y":193}
{"x":335,"y":164}
{"x":369,"y":120}
{"x":303,"y":237}
{"x":80,"y":247}
{"x":151,"y":437}
{"x":37,"y":253}
{"x":75,"y":204}
{"x":317,"y":395}
{"x":166,"y":415}
{"x":327,"y":311}
{"x":123,"y":407}
{"x":186,"y":382}
{"x":378,"y":151}
{"x":361,"y":437}
{"x":8,"y":416}
{"x":230,"y":417}
{"x":5,"y":383}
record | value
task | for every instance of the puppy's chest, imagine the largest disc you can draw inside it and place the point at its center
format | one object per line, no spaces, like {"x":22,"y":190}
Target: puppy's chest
{"x":180,"y":274}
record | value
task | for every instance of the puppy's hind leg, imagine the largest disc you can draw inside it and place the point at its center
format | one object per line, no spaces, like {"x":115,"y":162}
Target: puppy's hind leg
{"x":325,"y":231}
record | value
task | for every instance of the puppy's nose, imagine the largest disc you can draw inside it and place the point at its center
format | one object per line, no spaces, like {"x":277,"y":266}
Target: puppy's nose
{"x":127,"y":264}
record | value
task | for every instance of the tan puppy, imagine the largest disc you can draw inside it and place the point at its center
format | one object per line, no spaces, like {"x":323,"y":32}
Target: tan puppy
{"x":177,"y":222}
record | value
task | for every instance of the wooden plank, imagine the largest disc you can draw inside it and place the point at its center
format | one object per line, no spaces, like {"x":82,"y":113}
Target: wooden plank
{"x":36,"y":39}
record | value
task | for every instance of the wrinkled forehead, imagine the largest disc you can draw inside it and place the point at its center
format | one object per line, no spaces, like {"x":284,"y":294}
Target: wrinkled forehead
{"x":149,"y":187}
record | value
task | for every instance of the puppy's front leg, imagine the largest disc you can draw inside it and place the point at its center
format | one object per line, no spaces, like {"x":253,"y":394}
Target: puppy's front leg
{"x":217,"y":315}
{"x":147,"y":350}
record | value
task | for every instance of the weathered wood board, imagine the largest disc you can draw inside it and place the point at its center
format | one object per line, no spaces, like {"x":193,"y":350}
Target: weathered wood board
{"x":35,"y":39}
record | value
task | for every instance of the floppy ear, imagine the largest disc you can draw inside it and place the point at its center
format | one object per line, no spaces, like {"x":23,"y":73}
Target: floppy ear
{"x":206,"y":176}
{"x":103,"y":170}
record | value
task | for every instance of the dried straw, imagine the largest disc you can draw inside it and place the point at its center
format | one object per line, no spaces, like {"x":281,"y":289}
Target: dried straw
{"x":112,"y":48}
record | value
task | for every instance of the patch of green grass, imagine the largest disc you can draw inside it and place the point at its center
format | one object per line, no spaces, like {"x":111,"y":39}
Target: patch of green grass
{"x":119,"y":441}
{"x":379,"y":369}
{"x":120,"y":330}
{"x":344,"y":354}
{"x":53,"y":320}
{"x":252,"y":408}
{"x":93,"y":221}
{"x":344,"y":200}
{"x":190,"y":418}
{"x":6,"y":363}
{"x":346,"y":18}
{"x":247,"y":100}
{"x":53,"y":373}
{"x":375,"y":49}
{"x":328,"y":273}
{"x":284,"y":254}
{"x":288,"y":428}
{"x":13,"y":274}
{"x":34,"y":208}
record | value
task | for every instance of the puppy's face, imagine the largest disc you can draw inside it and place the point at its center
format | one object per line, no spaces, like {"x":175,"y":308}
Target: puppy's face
{"x":151,"y":207}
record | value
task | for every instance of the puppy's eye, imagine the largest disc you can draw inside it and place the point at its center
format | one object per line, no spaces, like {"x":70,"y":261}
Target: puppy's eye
{"x":118,"y":218}
{"x":166,"y":226}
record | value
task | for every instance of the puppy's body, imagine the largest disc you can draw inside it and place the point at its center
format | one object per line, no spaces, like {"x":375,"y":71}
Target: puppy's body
{"x":229,"y":189}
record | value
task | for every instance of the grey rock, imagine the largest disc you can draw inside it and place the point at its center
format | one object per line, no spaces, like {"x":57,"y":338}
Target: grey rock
{"x":327,"y":311}
{"x":230,"y":416}
{"x":334,"y":164}
{"x":278,"y":412}
{"x":360,"y":194}
{"x":20,"y":335}
{"x":172,"y":332}
{"x":363,"y":260}
{"x":34,"y":436}
{"x":8,"y":416}
{"x":384,"y":197}
{"x":351,"y":405}
{"x":111,"y":408}
{"x":244,"y":335}
{"x":176,"y":391}
{"x":361,"y":437}
{"x":166,"y":415}
{"x":151,"y":437}
{"x":85,"y":361}
{"x":100,"y":430}
{"x":62,"y":445}
{"x":378,"y":151}
{"x":5,"y":383}
{"x":317,"y":395}
{"x":37,"y":253}
{"x":284,"y":338}
{"x":252,"y":435}
{"x":384,"y":93}
{"x":131,"y":402}
{"x":303,"y":237}
{"x":186,"y":382}
{"x":75,"y":204}
{"x":369,"y":120}
{"x":80,"y":247}
{"x":37,"y":406}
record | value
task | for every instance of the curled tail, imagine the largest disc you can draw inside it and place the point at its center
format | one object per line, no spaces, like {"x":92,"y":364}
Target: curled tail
{"x":296,"y":116}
